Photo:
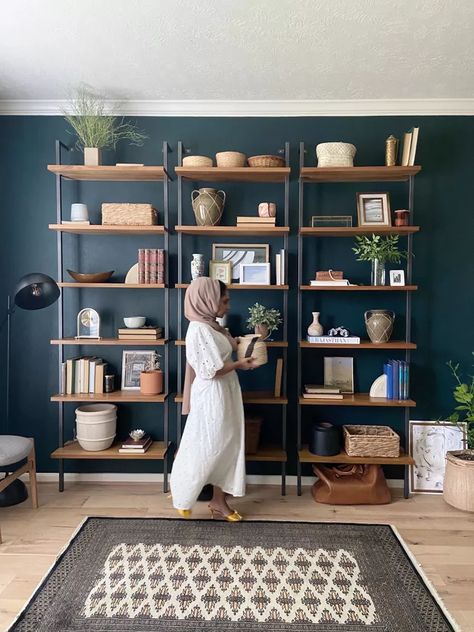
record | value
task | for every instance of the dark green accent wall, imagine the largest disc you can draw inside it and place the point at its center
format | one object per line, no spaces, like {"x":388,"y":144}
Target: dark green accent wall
{"x":443,"y":314}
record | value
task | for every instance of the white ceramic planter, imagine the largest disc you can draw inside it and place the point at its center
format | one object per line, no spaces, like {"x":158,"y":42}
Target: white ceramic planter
{"x":95,"y":445}
{"x":96,"y":426}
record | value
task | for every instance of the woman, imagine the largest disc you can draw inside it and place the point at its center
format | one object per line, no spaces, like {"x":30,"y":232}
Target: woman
{"x":212,"y":447}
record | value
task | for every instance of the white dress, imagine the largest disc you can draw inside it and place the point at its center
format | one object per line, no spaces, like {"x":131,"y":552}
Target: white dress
{"x":212,"y":448}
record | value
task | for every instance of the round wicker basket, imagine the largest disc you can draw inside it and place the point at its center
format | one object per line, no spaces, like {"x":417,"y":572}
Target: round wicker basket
{"x":251,"y":345}
{"x":197,"y":161}
{"x":266,"y":161}
{"x":335,"y":154}
{"x":230,"y":159}
{"x":458,"y":487}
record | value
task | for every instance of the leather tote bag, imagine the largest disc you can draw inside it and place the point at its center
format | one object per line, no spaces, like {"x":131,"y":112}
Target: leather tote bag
{"x":350,"y":485}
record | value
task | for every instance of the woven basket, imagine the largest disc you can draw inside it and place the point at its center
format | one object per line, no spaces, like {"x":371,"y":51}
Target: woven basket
{"x":253,"y":427}
{"x":251,"y":346}
{"x":266,"y":161}
{"x":129,"y":214}
{"x":335,"y":154}
{"x":371,"y":441}
{"x":230,"y":159}
{"x":458,"y":487}
{"x":197,"y":161}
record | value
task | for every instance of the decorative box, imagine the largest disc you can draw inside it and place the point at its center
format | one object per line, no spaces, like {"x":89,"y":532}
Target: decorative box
{"x":125,"y":214}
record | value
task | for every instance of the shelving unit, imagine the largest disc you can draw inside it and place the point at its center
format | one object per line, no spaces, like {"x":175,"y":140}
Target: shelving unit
{"x":280,"y":175}
{"x":71,"y":450}
{"x":321,"y":175}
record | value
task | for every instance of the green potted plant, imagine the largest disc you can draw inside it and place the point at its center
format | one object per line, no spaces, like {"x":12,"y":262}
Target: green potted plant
{"x":458,"y":487}
{"x":96,"y":127}
{"x":379,"y":251}
{"x":263,"y":320}
{"x":151,"y":379}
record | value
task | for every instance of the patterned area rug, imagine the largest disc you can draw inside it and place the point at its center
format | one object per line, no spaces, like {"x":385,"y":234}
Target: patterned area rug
{"x":142,"y":574}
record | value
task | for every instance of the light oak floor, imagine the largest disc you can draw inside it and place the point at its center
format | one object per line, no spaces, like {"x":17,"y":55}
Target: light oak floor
{"x":441,"y":538}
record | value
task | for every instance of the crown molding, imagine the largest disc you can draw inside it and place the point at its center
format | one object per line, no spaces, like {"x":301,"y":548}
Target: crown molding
{"x":260,"y":108}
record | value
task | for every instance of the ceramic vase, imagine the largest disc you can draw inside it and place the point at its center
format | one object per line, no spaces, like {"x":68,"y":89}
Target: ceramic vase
{"x":208,"y":206}
{"x":197,"y":266}
{"x":315,"y":329}
{"x":262,"y":331}
{"x":379,"y":324}
{"x":267,"y":209}
{"x":151,"y":382}
{"x":377,"y":276}
{"x":92,"y":156}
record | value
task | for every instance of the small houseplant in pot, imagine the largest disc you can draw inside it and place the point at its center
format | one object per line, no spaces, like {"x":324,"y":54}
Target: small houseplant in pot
{"x":96,"y":127}
{"x":379,"y":251}
{"x":458,"y":487}
{"x":151,"y":379}
{"x":263,"y":320}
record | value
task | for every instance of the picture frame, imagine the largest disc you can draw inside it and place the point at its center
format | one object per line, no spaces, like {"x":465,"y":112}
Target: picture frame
{"x":221,"y":271}
{"x":428,"y":442}
{"x":240,"y":253}
{"x":397,"y":277}
{"x":133,"y":363}
{"x":254,"y":274}
{"x":373,"y":209}
{"x":339,"y":373}
{"x":331,"y":221}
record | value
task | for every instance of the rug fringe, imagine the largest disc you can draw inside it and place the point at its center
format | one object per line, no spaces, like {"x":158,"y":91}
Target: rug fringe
{"x":424,"y":577}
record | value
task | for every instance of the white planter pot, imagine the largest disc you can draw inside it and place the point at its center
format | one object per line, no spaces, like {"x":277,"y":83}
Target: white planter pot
{"x":95,"y":445}
{"x":92,"y":156}
{"x":96,"y":422}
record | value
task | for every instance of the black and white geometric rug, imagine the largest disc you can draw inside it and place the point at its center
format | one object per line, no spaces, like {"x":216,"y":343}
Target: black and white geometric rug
{"x":144,"y":574}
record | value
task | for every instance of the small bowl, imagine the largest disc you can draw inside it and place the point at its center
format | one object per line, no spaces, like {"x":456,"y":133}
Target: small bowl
{"x":95,"y":277}
{"x":134,"y":322}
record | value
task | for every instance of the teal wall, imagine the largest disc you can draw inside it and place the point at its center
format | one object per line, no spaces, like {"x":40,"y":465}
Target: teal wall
{"x":443,"y":312}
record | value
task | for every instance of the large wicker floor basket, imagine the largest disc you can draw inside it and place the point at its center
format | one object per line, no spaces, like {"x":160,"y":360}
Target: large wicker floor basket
{"x":371,"y":441}
{"x":458,"y":487}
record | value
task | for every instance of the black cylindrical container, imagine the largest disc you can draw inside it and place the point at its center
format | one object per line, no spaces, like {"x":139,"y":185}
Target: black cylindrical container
{"x":325,"y":439}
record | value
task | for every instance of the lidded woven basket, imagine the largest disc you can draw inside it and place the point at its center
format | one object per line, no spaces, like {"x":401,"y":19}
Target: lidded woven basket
{"x":371,"y":441}
{"x":335,"y":154}
{"x":230,"y":159}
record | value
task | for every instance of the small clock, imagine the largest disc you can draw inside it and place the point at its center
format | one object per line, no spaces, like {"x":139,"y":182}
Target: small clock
{"x":88,"y":323}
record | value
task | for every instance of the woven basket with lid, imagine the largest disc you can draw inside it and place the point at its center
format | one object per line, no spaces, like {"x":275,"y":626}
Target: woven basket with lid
{"x":230,"y":159}
{"x":371,"y":441}
{"x":335,"y":154}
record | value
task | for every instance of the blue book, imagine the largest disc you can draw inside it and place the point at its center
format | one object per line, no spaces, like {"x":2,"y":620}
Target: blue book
{"x":389,"y":371}
{"x":401,"y":380}
{"x":395,"y":381}
{"x":407,"y":381}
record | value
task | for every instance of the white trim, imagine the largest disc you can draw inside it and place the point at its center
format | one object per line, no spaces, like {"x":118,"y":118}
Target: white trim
{"x":361,"y":107}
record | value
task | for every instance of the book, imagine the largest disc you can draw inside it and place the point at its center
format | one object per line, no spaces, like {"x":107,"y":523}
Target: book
{"x":153,"y":265}
{"x":140,"y":330}
{"x":323,"y":396}
{"x":100,"y":369}
{"x":77,"y":375}
{"x":138,"y":337}
{"x":131,"y":444}
{"x":316,"y":283}
{"x":395,"y":379}
{"x":406,"y":382}
{"x":406,"y":149}
{"x":92,"y":369}
{"x":278,"y":377}
{"x":70,"y":377}
{"x":334,"y":340}
{"x":82,"y":222}
{"x":414,"y":142}
{"x":141,"y":266}
{"x":137,"y":451}
{"x":251,"y":219}
{"x":278,"y":269}
{"x":315,"y":388}
{"x":283,"y":266}
{"x":129,"y":164}
{"x":63,"y":378}
{"x":147,"y":266}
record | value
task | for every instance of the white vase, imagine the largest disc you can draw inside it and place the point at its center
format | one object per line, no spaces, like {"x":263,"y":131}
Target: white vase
{"x":92,"y":156}
{"x":315,"y":329}
{"x":197,"y":266}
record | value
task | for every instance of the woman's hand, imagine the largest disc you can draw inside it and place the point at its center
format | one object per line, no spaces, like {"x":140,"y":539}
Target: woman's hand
{"x":247,"y":364}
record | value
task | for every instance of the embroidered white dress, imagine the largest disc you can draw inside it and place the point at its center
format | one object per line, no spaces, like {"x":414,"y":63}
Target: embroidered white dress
{"x":212,"y":448}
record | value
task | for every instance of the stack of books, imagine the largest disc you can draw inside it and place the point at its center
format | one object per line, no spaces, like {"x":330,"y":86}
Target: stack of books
{"x":83,"y":375}
{"x":334,"y":340}
{"x":326,"y":278}
{"x":281,"y":267}
{"x":313,"y":391}
{"x":140,"y":446}
{"x":253,"y":221}
{"x":410,"y":141}
{"x":141,"y":333}
{"x":151,"y":266}
{"x":398,"y":377}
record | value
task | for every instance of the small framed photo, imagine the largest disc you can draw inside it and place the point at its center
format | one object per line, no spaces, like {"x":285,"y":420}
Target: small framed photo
{"x":237,"y":254}
{"x":397,"y":277}
{"x":221,"y":271}
{"x":255,"y":274}
{"x":133,"y":363}
{"x":339,"y":373}
{"x":373,"y":209}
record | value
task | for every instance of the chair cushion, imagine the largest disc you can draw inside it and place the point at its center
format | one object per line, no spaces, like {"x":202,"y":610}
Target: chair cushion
{"x":14,"y":449}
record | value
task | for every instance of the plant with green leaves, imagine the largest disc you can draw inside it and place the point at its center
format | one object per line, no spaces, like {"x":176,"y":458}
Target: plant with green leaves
{"x":95,"y":125}
{"x":261,"y":315}
{"x":463,"y":394}
{"x":376,"y":247}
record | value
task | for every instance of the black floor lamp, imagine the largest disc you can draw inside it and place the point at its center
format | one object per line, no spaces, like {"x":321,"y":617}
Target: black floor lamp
{"x":33,"y":291}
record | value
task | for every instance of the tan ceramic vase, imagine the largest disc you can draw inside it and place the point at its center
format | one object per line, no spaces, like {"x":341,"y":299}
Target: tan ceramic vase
{"x":151,"y":382}
{"x":208,"y":206}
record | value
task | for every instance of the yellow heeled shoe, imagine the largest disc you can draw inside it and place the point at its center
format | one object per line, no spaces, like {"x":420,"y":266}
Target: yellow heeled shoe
{"x":233,"y":517}
{"x":184,"y":513}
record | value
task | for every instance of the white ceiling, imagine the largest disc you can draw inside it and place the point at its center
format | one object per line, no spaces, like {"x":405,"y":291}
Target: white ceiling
{"x":247,"y":50}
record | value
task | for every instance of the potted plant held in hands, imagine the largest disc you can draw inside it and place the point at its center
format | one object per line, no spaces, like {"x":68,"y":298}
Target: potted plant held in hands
{"x":151,"y":379}
{"x":458,"y":487}
{"x":96,"y":127}
{"x":263,"y":321}
{"x":379,"y":251}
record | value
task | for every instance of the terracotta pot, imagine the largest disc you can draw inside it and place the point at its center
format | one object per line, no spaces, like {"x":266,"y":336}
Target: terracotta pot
{"x":151,"y":382}
{"x":262,"y":331}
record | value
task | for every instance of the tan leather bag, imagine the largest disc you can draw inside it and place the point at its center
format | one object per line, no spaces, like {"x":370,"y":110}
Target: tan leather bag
{"x":350,"y":485}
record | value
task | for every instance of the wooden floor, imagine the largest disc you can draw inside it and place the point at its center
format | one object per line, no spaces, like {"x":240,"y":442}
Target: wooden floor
{"x":441,"y":538}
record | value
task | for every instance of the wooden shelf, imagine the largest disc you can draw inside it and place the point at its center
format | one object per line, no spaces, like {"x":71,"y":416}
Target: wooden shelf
{"x":234,"y":174}
{"x":364,"y":344}
{"x":109,"y":172}
{"x":100,"y":229}
{"x":217,"y":231}
{"x":73,"y":450}
{"x":115,"y":286}
{"x":269,"y":343}
{"x":268,"y":453}
{"x":253,"y":397}
{"x":357,"y":174}
{"x":359,"y":399}
{"x":305,"y":456}
{"x":241,"y":286}
{"x":359,"y":288}
{"x":109,"y":342}
{"x":116,"y":396}
{"x":353,"y":231}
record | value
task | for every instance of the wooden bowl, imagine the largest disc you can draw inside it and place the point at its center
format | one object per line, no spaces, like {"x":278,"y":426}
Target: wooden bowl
{"x":94,"y":277}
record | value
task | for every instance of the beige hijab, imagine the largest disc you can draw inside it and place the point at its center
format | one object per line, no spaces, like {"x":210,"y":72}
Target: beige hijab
{"x":201,"y":303}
